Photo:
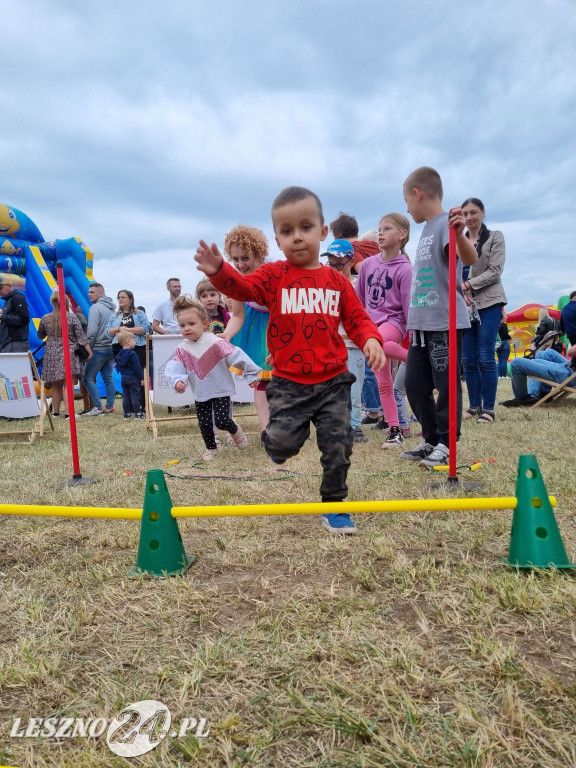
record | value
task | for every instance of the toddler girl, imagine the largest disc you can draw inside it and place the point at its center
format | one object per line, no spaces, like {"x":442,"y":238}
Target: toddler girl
{"x":202,"y":360}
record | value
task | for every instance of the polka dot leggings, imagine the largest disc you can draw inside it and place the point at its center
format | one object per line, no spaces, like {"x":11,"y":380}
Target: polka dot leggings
{"x":214,"y":412}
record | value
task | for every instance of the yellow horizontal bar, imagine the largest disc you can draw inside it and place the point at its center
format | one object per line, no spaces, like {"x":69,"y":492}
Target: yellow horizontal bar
{"x":320,"y":508}
{"x":252,"y":510}
{"x":112,"y":513}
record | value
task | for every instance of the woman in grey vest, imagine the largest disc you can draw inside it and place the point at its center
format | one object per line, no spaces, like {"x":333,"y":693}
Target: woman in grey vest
{"x":485,"y":297}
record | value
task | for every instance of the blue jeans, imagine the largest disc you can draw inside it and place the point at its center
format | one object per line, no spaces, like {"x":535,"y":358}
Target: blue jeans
{"x":503,"y":355}
{"x":356,"y":365}
{"x":478,"y":358}
{"x":370,"y":396}
{"x":102,"y":361}
{"x":548,"y":364}
{"x":400,"y":396}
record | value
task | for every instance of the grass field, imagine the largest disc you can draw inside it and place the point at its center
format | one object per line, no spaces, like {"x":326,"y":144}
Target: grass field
{"x":408,"y":645}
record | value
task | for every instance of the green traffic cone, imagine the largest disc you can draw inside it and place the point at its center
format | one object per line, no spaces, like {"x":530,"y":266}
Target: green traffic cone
{"x":535,"y":540}
{"x":160,"y":551}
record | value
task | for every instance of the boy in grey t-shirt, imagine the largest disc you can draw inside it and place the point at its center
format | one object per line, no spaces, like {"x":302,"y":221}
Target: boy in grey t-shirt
{"x":427,"y":364}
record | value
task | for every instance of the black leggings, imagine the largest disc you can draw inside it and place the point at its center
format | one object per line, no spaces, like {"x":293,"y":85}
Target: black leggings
{"x":426,"y":371}
{"x":214,"y":412}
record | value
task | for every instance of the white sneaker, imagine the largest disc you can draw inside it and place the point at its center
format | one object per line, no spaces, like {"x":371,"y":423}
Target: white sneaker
{"x":95,"y":412}
{"x":438,"y":457}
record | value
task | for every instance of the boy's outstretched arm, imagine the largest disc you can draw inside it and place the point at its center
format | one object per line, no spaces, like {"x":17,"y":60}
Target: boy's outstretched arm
{"x":209,"y":258}
{"x":464,"y":247}
{"x":374,"y":354}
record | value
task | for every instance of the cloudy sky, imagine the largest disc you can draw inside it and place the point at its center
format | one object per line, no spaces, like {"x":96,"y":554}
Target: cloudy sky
{"x":141,"y":127}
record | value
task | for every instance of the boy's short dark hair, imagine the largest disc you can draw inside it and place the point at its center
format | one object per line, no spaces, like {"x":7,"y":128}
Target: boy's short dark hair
{"x":344,"y":227}
{"x":427,"y":180}
{"x":293,"y":195}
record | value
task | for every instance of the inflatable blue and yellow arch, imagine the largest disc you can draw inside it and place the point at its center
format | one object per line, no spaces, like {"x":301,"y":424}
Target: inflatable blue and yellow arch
{"x":30,"y":261}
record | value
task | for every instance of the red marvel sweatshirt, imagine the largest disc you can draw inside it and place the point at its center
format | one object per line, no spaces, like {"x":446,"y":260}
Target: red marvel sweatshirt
{"x":306,"y":306}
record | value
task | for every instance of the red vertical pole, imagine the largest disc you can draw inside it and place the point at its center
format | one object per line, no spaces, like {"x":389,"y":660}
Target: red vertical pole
{"x":453,"y":361}
{"x":68,"y":371}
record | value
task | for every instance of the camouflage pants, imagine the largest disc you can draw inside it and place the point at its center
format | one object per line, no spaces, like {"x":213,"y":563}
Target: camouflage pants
{"x":327,"y":405}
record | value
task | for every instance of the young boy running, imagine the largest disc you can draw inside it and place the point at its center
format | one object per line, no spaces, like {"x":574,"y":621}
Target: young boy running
{"x":427,"y":364}
{"x":310,"y":380}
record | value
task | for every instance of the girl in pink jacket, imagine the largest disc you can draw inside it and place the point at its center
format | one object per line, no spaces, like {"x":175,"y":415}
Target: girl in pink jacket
{"x":383,"y":286}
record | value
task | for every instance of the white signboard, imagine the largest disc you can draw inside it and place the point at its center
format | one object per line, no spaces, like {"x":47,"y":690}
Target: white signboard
{"x":162,"y":348}
{"x":18,"y":398}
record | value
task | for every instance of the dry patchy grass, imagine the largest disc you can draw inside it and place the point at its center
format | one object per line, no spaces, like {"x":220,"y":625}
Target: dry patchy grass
{"x":408,"y":645}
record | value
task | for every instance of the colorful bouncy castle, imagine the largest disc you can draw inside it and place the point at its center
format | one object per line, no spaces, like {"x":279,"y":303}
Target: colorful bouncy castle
{"x":30,"y":261}
{"x":522,"y":324}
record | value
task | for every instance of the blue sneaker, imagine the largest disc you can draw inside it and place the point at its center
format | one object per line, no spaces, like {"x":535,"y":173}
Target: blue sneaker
{"x":277,"y":461}
{"x":339,"y":522}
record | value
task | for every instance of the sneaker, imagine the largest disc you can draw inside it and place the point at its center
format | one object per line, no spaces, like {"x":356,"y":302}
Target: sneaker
{"x":369,"y":420}
{"x":108,"y":410}
{"x":438,"y":457}
{"x":519,"y":402}
{"x":55,"y":415}
{"x":210,"y":453}
{"x":127,"y":415}
{"x":339,"y":522}
{"x":229,"y":439}
{"x":277,"y":461}
{"x":395,"y":438}
{"x":66,"y":415}
{"x":140,"y":416}
{"x":94,"y":412}
{"x":406,"y":431}
{"x":359,"y":436}
{"x":421,"y":451}
{"x":239,"y":439}
{"x":382,"y":424}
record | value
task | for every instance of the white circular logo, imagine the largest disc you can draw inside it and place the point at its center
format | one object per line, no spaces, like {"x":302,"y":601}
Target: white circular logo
{"x":138,"y":728}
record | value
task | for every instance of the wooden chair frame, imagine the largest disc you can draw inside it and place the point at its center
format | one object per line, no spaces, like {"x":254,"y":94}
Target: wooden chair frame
{"x":558,"y":391}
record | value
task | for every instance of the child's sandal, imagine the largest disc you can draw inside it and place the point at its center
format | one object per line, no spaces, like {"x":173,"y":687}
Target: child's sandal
{"x":486,"y":417}
{"x":471,"y":413}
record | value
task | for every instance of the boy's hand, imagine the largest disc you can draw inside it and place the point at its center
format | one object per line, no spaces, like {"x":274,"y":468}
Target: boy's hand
{"x":374,"y":354}
{"x":456,"y":219}
{"x":209,"y":258}
{"x":180,"y":386}
{"x":464,"y":248}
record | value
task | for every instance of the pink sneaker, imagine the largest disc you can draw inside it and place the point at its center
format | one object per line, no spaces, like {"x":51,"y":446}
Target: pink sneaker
{"x":239,"y":439}
{"x":210,"y":453}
